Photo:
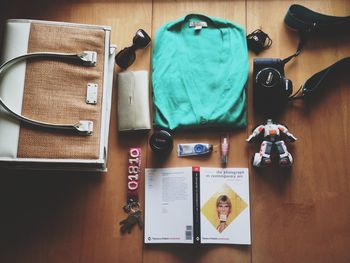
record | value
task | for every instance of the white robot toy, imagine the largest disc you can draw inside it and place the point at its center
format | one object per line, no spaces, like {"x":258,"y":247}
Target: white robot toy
{"x":272,"y":138}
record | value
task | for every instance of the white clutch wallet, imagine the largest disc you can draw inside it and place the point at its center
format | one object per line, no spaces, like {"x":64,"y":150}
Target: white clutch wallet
{"x":133,"y":101}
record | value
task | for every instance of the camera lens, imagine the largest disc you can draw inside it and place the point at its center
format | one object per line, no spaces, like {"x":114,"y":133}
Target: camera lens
{"x":268,"y":77}
{"x":161,"y":143}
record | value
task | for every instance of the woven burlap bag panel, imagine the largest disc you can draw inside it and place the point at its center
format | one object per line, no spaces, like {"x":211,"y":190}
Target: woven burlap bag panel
{"x":55,"y":92}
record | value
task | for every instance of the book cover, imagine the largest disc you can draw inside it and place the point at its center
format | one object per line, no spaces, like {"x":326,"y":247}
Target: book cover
{"x":224,"y":199}
{"x":197,"y":205}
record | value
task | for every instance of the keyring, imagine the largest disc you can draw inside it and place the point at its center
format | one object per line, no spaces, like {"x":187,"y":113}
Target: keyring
{"x":135,"y":207}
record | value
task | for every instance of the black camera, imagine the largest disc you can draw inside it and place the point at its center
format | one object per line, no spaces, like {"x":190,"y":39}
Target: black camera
{"x":271,"y":89}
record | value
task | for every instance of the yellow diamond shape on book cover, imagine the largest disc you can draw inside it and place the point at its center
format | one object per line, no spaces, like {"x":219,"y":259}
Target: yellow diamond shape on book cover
{"x":235,"y":205}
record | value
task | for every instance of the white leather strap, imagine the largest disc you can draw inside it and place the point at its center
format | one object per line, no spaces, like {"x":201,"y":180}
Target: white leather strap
{"x":86,"y":58}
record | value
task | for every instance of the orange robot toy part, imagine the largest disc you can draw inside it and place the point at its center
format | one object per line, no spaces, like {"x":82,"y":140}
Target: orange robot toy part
{"x":273,"y":139}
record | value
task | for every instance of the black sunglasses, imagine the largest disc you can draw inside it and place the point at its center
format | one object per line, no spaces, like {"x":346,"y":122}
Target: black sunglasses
{"x":127,"y":56}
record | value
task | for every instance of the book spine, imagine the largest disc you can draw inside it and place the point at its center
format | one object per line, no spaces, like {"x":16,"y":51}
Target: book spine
{"x":196,"y":206}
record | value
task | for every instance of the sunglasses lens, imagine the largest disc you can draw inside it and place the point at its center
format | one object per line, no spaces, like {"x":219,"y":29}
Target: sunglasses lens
{"x":141,"y":39}
{"x":125,"y":58}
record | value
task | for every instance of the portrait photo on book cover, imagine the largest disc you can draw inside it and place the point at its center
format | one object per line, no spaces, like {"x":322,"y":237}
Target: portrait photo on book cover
{"x":223,"y":207}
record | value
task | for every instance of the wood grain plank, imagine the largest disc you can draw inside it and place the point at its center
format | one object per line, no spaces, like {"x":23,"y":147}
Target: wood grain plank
{"x":233,"y":11}
{"x":81,"y":222}
{"x":165,"y":11}
{"x":299,"y":215}
{"x":302,"y":215}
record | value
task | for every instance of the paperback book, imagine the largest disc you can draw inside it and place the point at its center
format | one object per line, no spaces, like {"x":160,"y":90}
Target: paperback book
{"x":197,"y":205}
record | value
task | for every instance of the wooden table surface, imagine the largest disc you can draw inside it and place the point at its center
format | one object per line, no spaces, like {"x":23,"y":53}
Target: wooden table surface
{"x":301,"y":215}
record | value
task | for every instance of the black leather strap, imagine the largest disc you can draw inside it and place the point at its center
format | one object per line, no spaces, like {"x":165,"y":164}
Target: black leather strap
{"x":318,"y":80}
{"x":308,"y":22}
{"x":303,"y":19}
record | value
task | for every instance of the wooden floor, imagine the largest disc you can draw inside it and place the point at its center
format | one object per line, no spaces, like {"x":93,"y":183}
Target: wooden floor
{"x":297,"y":216}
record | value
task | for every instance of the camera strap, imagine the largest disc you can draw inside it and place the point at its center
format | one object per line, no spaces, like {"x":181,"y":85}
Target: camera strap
{"x":318,"y":80}
{"x":303,"y":19}
{"x":308,"y":22}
